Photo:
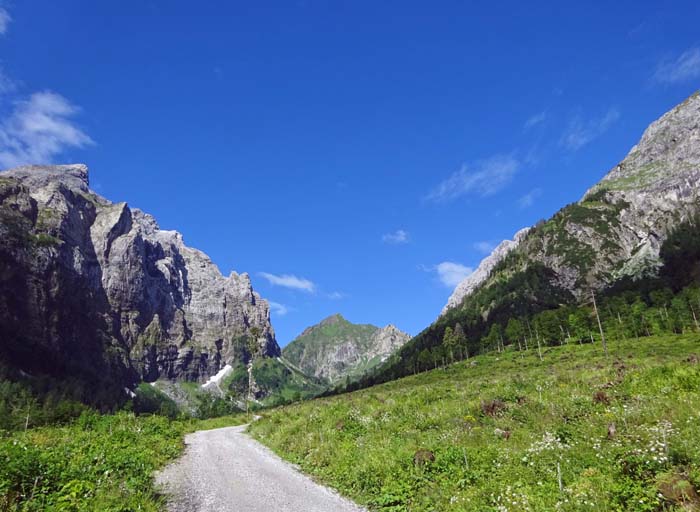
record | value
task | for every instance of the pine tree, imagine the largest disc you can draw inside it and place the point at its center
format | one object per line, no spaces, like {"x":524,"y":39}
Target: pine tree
{"x":461,"y":339}
{"x":515,"y":331}
{"x":448,"y":341}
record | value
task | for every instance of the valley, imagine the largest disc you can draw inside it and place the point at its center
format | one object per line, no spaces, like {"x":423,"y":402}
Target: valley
{"x":563,"y":373}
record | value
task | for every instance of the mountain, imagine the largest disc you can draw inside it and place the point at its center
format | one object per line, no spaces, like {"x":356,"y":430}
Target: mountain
{"x":619,"y":225}
{"x":95,"y":292}
{"x":615,"y":234}
{"x":335,"y":348}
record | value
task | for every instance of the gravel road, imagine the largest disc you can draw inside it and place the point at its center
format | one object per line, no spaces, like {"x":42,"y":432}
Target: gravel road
{"x":225,"y":470}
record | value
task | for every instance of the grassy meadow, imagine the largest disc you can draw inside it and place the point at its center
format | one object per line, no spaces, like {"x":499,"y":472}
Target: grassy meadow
{"x":95,"y":463}
{"x":510,"y":432}
{"x":498,"y":432}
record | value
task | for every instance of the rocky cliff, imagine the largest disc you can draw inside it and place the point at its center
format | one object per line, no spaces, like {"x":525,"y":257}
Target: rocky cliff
{"x":96,"y":291}
{"x":335,"y":348}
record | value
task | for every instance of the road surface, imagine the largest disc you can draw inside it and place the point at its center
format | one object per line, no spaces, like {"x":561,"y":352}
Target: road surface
{"x":224,"y":470}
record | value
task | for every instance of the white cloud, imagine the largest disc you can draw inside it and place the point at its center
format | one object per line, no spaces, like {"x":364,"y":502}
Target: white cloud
{"x":529,"y":198}
{"x":484,"y":247}
{"x":336,"y":295}
{"x":535,"y":120}
{"x":579,"y":133}
{"x":5,"y":20}
{"x":484,"y":179}
{"x":289,"y":281}
{"x":38,"y":129}
{"x":398,"y":237}
{"x":451,"y":273}
{"x":686,"y":67}
{"x":278,"y":309}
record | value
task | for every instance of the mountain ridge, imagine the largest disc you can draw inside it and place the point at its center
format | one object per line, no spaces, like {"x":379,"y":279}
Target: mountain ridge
{"x":623,"y":182}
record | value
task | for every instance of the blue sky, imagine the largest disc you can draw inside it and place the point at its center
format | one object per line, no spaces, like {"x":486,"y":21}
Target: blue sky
{"x":354,"y":157}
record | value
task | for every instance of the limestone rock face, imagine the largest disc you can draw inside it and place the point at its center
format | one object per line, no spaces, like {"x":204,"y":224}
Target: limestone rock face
{"x":472,"y":281}
{"x":616,"y":230}
{"x":97,"y":289}
{"x":335,"y":348}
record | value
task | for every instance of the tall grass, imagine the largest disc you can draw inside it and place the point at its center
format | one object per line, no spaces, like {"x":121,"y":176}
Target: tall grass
{"x":508,"y":432}
{"x":96,"y":463}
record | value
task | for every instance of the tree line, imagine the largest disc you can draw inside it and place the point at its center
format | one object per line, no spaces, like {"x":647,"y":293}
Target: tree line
{"x":630,"y":315}
{"x":527,"y":311}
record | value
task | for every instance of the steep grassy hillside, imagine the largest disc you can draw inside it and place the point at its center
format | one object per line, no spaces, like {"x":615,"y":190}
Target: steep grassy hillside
{"x":509,"y":431}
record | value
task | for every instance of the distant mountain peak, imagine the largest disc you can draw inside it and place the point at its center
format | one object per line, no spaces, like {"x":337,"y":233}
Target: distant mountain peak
{"x":336,"y":348}
{"x":333,"y":319}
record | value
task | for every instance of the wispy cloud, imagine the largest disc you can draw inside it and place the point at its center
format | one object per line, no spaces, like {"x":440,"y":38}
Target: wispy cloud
{"x":580,"y":132}
{"x":289,"y":281}
{"x":278,"y":309}
{"x":485,"y":178}
{"x":682,"y":69}
{"x":5,"y":20}
{"x":38,"y":129}
{"x":451,"y":273}
{"x":7,"y":84}
{"x":397,"y":237}
{"x":529,"y":198}
{"x":484,"y":247}
{"x":535,"y":119}
{"x":336,"y":295}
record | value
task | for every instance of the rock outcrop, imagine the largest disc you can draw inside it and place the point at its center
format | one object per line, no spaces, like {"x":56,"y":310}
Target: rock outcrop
{"x":97,"y":291}
{"x":335,"y":348}
{"x":482,"y":272}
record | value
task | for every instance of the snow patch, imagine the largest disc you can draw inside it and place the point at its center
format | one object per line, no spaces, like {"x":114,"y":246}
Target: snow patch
{"x":213,"y":382}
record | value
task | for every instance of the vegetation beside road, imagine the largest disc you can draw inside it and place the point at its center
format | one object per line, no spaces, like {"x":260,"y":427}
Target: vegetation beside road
{"x":508,"y":431}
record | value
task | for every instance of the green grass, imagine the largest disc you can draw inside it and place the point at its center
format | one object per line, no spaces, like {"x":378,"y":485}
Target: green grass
{"x":97,"y":463}
{"x":283,"y":383}
{"x":503,"y":427}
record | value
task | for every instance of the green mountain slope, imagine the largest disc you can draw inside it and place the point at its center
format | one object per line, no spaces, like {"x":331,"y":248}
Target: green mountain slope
{"x":336,"y":348}
{"x":615,"y":235}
